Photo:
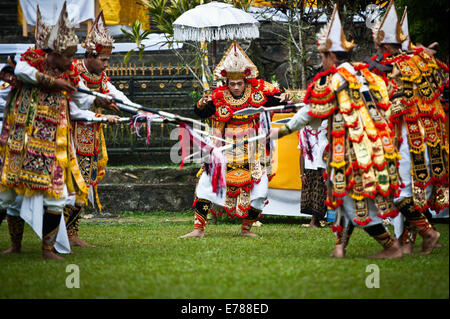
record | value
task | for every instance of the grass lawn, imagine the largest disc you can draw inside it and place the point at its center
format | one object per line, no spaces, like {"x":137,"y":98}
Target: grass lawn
{"x":141,"y":256}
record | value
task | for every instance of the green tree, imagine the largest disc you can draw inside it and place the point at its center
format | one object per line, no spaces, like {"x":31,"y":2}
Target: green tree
{"x":428,"y":22}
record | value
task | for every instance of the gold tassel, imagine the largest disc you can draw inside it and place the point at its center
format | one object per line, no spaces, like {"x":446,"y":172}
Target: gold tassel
{"x":100,"y":207}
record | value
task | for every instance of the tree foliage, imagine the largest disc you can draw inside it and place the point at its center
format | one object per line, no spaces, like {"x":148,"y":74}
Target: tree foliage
{"x":428,"y":22}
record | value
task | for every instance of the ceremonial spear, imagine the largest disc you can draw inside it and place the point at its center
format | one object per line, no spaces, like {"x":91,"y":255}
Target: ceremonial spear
{"x":133,"y":107}
{"x":255,"y":110}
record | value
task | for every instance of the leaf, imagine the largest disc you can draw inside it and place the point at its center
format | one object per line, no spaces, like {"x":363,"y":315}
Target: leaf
{"x":127,"y":56}
{"x":127,"y":33}
{"x":141,"y":52}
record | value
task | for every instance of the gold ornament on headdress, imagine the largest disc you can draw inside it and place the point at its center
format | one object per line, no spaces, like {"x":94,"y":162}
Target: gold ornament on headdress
{"x":41,"y":32}
{"x":98,"y":40}
{"x":235,"y":64}
{"x":62,"y":35}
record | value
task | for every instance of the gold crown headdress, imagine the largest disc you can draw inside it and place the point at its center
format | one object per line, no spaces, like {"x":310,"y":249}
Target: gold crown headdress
{"x":42,"y":31}
{"x":62,"y":35}
{"x":98,"y":40}
{"x":331,"y":37}
{"x":235,"y":64}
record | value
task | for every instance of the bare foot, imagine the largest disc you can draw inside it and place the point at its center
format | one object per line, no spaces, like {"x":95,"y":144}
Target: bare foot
{"x":339,"y":251}
{"x":429,"y":241}
{"x":315,"y":223}
{"x":48,"y":254}
{"x":195,"y":233}
{"x":395,"y":251}
{"x":407,"y":248}
{"x":12,"y":250}
{"x":247,"y":233}
{"x":437,"y":245}
{"x":77,"y":241}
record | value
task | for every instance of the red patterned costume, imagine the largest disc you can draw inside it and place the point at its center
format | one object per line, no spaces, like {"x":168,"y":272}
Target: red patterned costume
{"x":416,"y":82}
{"x":248,"y":166}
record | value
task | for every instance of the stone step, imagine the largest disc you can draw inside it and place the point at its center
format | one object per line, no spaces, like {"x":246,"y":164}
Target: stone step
{"x":169,"y":197}
{"x":160,"y":175}
{"x":146,"y":190}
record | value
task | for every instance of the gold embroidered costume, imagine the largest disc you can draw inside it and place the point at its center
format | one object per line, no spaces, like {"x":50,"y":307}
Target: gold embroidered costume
{"x":245,"y":163}
{"x":37,"y":154}
{"x":89,"y":140}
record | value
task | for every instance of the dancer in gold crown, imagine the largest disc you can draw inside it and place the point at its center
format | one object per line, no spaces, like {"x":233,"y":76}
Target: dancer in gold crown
{"x":88,"y":137}
{"x":247,"y":175}
{"x":36,"y":148}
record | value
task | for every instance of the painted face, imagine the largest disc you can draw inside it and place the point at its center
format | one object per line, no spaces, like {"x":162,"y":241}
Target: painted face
{"x":236,"y":87}
{"x":97,"y":64}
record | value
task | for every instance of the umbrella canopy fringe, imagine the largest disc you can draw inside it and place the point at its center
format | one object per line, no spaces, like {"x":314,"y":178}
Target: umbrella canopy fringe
{"x":222,"y":33}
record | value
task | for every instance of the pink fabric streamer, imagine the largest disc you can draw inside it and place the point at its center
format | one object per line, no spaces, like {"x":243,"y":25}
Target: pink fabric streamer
{"x":307,"y":149}
{"x":215,"y":168}
{"x":219,"y":171}
{"x":135,"y":124}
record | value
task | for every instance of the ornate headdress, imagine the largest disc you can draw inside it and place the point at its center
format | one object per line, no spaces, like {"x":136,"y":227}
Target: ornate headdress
{"x":235,"y":64}
{"x":62,"y":35}
{"x":98,"y":40}
{"x":42,"y":31}
{"x":331,"y":37}
{"x":406,"y":45}
{"x":388,"y":30}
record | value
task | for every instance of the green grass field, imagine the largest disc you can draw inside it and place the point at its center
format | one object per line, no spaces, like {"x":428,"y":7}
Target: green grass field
{"x":141,"y":256}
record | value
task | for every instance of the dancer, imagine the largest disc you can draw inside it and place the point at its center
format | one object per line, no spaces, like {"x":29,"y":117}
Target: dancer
{"x":247,"y":175}
{"x":362,"y":176}
{"x":415,"y":83}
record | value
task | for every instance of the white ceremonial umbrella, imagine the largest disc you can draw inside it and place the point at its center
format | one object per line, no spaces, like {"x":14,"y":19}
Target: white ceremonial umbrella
{"x":211,"y":22}
{"x":215,"y":21}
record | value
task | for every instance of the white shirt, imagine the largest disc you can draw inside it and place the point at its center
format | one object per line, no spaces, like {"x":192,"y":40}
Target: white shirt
{"x":27,"y":73}
{"x":316,"y":140}
{"x":80,"y":103}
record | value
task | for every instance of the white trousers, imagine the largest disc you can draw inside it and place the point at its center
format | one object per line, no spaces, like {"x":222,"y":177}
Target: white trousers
{"x":258,"y":194}
{"x":31,"y":210}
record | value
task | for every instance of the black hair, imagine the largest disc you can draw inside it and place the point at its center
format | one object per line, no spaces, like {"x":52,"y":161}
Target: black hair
{"x":245,"y":80}
{"x":87,"y":54}
{"x":13,"y":59}
{"x":8,"y":69}
{"x":395,"y":46}
{"x":342,"y":56}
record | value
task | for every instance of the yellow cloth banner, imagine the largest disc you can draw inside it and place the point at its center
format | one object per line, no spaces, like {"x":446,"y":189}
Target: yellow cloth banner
{"x":286,"y":159}
{"x":124,"y":12}
{"x":280,"y":3}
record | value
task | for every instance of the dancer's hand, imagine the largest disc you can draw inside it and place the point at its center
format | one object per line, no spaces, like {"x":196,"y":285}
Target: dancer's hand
{"x":63,"y":85}
{"x":429,"y":49}
{"x":283,"y":97}
{"x":274,"y":133}
{"x":111,"y":118}
{"x":204,"y":100}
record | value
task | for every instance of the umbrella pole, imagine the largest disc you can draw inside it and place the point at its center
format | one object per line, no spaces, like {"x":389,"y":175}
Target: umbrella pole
{"x":214,"y":52}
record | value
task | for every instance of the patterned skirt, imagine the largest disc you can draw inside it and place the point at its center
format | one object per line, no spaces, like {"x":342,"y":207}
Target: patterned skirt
{"x":313,"y":194}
